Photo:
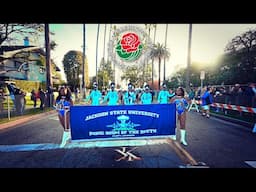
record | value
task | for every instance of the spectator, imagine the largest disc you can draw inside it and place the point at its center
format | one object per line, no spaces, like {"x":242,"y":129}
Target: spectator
{"x":249,"y":90}
{"x":42,"y":97}
{"x":12,"y":89}
{"x":191,"y":94}
{"x":207,"y":100}
{"x":33,"y":97}
{"x":2,"y":98}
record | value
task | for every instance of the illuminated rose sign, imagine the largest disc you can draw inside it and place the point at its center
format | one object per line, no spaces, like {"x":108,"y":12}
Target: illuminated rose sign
{"x":130,"y":45}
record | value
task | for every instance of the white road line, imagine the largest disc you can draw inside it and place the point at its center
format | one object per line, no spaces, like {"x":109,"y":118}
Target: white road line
{"x":28,"y":147}
{"x":251,"y":163}
{"x":75,"y":144}
{"x":54,"y":118}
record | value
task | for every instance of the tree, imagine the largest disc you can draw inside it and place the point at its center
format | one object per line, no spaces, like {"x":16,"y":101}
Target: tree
{"x":159,"y":52}
{"x":105,"y":73}
{"x":149,"y":27}
{"x":72,"y":63}
{"x":135,"y":74}
{"x":242,"y":50}
{"x":97,"y":44}
{"x":13,"y":32}
{"x":165,"y":44}
{"x":180,"y":77}
{"x":104,"y":45}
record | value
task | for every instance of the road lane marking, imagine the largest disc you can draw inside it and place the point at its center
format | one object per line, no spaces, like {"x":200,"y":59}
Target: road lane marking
{"x":127,"y":154}
{"x":182,"y":153}
{"x":251,"y":163}
{"x":28,"y":147}
{"x":54,"y":118}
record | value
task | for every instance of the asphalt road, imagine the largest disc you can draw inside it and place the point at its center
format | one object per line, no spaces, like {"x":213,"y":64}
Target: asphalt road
{"x":218,"y":143}
{"x":36,"y":144}
{"x":214,"y":142}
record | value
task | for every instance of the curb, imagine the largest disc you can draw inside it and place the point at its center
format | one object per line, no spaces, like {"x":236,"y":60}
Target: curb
{"x":24,"y":119}
{"x":232,"y":120}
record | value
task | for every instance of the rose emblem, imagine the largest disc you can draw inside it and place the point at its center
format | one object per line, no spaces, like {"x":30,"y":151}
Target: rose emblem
{"x":129,"y":47}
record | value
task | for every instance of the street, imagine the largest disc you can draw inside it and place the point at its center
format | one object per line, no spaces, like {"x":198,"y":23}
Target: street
{"x":211,"y":142}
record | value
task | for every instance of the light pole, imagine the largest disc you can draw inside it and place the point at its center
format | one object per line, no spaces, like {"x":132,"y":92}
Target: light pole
{"x":81,"y":91}
{"x":97,"y":43}
{"x":48,"y":63}
{"x":189,"y":57}
{"x":83,"y":67}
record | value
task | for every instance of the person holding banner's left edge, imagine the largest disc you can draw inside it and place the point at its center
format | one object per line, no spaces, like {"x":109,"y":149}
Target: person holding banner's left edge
{"x":62,"y":104}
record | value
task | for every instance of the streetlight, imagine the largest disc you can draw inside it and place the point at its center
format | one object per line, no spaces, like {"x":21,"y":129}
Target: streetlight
{"x":80,"y":77}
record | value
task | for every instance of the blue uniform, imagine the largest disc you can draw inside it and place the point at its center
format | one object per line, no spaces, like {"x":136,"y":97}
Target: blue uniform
{"x":95,"y":97}
{"x":129,"y":98}
{"x":112,"y":97}
{"x":181,"y":105}
{"x":163,"y":96}
{"x":61,"y":104}
{"x":206,"y":98}
{"x":146,"y":98}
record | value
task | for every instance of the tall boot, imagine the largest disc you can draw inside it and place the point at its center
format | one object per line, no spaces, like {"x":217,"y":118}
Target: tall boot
{"x":65,"y":137}
{"x":183,"y":136}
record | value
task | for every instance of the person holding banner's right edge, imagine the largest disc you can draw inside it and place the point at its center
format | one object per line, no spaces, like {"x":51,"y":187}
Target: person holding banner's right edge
{"x":182,"y":104}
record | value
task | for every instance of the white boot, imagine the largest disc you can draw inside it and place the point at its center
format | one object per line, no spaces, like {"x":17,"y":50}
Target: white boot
{"x":65,"y":137}
{"x":183,"y":136}
{"x":174,"y":136}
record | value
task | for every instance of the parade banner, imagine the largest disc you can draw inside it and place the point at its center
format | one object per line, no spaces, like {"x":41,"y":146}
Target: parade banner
{"x":122,"y":121}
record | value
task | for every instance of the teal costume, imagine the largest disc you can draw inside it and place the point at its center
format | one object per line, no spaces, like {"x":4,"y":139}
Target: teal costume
{"x":129,"y":98}
{"x":146,"y":98}
{"x":112,"y":98}
{"x":95,"y":96}
{"x":163,"y":96}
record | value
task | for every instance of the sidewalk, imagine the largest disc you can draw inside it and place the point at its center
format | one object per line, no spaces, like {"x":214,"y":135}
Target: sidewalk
{"x":23,"y":118}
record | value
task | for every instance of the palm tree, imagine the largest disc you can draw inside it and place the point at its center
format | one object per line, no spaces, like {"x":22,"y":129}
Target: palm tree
{"x":97,"y":42}
{"x":149,"y":27}
{"x":153,"y":59}
{"x":165,"y":44}
{"x":104,"y":45}
{"x":159,"y":52}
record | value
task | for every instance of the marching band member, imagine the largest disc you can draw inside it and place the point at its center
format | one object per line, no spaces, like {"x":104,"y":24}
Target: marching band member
{"x":146,"y":97}
{"x":181,"y":108}
{"x":129,"y":96}
{"x":164,"y":95}
{"x":62,"y":104}
{"x":112,"y":96}
{"x":95,"y":95}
